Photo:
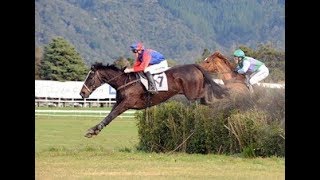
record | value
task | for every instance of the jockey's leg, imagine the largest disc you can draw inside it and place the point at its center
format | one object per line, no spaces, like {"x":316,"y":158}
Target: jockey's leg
{"x":155,"y":68}
{"x":261,"y":74}
{"x":249,"y":85}
{"x":152,"y":85}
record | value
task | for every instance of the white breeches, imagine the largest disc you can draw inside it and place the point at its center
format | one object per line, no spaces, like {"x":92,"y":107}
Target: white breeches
{"x":259,"y":75}
{"x":157,"y":68}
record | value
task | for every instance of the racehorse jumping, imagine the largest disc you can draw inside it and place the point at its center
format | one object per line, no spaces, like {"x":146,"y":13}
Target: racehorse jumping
{"x":220,"y":65}
{"x":190,"y":80}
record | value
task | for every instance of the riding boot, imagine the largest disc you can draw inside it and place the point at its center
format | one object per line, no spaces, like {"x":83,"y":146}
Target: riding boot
{"x":152,"y":85}
{"x":248,"y":83}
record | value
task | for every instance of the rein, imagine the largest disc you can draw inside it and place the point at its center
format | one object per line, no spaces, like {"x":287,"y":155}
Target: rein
{"x":128,"y":84}
{"x":114,"y":78}
{"x":111,"y":79}
{"x":232,"y":80}
{"x":122,"y":86}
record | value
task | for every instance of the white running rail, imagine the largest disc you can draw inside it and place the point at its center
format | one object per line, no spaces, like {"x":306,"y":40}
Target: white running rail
{"x":80,"y":113}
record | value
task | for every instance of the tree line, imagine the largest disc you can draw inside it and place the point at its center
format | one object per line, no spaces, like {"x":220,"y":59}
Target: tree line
{"x":60,"y":61}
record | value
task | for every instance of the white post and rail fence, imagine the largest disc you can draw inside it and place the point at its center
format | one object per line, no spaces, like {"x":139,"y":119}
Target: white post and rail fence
{"x":66,"y":94}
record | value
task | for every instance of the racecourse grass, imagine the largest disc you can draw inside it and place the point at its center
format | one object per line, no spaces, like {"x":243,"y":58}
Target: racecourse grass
{"x":62,"y":152}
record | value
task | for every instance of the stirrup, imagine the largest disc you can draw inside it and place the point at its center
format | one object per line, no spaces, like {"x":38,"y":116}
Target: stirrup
{"x":152,"y":90}
{"x":250,"y":88}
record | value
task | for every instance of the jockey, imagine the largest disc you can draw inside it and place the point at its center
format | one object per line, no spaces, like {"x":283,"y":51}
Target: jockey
{"x":254,"y":70}
{"x":149,"y":61}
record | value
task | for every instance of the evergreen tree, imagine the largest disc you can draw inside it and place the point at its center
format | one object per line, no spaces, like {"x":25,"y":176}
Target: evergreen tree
{"x":61,"y":62}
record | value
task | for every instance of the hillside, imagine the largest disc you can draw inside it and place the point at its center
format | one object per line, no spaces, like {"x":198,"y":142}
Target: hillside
{"x":103,"y":30}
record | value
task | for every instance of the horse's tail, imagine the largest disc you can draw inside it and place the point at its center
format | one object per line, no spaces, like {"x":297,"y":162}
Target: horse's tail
{"x":218,"y":91}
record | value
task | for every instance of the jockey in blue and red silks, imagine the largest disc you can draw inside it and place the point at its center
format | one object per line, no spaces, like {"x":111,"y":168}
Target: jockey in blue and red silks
{"x":149,"y":61}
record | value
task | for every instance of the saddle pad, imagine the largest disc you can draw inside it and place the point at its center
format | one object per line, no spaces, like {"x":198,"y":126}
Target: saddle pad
{"x":160,"y":80}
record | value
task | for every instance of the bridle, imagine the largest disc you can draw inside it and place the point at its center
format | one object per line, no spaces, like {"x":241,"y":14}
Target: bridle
{"x":112,"y":79}
{"x":100,"y":79}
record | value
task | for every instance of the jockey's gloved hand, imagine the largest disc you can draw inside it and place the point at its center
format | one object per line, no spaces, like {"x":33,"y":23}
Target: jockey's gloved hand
{"x":128,"y":70}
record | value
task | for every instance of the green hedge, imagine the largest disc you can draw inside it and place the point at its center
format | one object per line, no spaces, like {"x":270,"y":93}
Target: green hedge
{"x":220,"y":129}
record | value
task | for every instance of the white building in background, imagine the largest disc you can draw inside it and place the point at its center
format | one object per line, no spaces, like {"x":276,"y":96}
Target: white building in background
{"x":56,"y":93}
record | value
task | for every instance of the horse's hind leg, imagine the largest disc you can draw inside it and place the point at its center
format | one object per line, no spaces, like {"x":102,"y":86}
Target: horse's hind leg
{"x":203,"y":101}
{"x":207,"y":99}
{"x":116,"y":111}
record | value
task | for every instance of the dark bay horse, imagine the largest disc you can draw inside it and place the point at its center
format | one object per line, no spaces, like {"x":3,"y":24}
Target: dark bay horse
{"x":191,"y":80}
{"x":220,"y":65}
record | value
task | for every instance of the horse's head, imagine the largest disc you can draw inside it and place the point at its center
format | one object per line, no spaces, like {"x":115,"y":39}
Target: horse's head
{"x":92,"y":81}
{"x":216,"y":63}
{"x":219,"y":64}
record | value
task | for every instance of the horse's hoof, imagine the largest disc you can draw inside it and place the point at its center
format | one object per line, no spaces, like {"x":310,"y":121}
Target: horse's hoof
{"x":88,"y":135}
{"x":96,"y":132}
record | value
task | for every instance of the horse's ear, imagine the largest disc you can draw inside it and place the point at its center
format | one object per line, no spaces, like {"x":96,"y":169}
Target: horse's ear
{"x":218,"y":53}
{"x":92,"y":67}
{"x":215,"y":54}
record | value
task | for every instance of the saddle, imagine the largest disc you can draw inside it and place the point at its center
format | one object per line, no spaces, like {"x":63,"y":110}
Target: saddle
{"x":159,"y":78}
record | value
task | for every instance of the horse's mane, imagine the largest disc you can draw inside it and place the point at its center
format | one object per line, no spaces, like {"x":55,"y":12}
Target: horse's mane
{"x":221,"y":56}
{"x":99,"y":65}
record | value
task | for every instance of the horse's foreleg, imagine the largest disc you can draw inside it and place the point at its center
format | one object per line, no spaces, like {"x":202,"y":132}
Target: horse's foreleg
{"x":116,"y":111}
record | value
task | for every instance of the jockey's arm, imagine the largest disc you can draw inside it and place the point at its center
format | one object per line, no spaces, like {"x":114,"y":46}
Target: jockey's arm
{"x":145,"y":63}
{"x":245,"y":67}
